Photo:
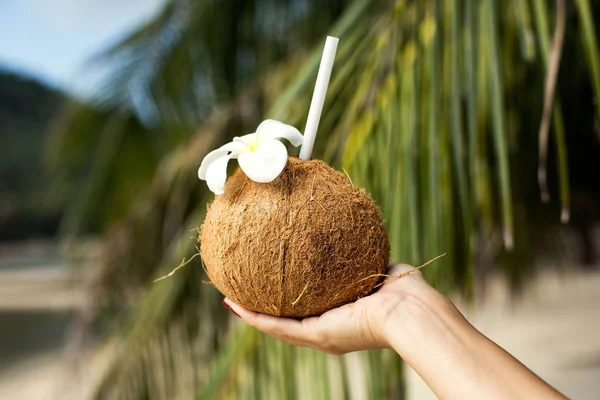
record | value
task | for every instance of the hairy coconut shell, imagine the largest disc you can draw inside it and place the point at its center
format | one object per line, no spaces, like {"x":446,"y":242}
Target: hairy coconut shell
{"x":296,"y":247}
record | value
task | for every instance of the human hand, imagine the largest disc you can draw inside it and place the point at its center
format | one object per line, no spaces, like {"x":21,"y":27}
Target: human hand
{"x":427,"y":331}
{"x":356,"y":326}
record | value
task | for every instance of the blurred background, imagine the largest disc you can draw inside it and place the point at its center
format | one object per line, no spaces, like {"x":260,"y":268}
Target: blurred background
{"x":473,"y":124}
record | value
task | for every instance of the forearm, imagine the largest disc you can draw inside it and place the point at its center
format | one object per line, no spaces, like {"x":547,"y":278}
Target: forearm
{"x":453,"y":358}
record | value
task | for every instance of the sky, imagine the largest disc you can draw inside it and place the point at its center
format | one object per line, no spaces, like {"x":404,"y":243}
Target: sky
{"x":53,"y":40}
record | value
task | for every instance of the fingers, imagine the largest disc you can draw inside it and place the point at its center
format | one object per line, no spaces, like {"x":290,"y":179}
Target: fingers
{"x":285,"y":329}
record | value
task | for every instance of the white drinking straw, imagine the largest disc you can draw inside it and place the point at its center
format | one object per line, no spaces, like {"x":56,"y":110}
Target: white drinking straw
{"x":316,"y":105}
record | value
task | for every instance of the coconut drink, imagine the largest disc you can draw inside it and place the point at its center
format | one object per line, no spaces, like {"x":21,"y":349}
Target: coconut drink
{"x":288,"y":236}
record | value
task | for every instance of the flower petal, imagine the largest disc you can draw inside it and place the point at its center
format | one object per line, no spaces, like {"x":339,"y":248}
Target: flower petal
{"x":234,"y":147}
{"x":250,"y":139}
{"x":216,"y":174}
{"x":266,"y":163}
{"x":272,"y":129}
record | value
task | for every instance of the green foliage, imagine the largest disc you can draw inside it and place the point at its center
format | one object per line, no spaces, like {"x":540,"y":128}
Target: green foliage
{"x":423,"y":110}
{"x":590,"y":42}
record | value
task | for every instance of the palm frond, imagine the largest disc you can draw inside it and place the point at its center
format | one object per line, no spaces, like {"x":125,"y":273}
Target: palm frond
{"x":590,"y":42}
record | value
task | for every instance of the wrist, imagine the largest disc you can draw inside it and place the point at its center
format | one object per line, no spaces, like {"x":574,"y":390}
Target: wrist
{"x":420,"y":317}
{"x":451,"y":356}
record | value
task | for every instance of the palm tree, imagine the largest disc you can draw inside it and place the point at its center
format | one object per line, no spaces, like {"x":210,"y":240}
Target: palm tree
{"x":429,"y":109}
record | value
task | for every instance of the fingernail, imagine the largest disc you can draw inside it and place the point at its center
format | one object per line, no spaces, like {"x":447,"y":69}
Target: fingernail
{"x":229,"y":308}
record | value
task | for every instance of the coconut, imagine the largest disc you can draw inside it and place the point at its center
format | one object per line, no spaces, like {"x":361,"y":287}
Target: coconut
{"x":303,"y":244}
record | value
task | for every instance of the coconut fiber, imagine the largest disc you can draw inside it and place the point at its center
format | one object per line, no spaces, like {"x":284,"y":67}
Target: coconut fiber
{"x":296,"y":247}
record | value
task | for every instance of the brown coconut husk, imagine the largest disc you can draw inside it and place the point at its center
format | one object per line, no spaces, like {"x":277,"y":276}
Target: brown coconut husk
{"x":303,"y":244}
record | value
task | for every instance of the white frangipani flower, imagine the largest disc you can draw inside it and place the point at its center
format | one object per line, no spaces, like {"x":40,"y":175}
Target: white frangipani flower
{"x":261,"y":156}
